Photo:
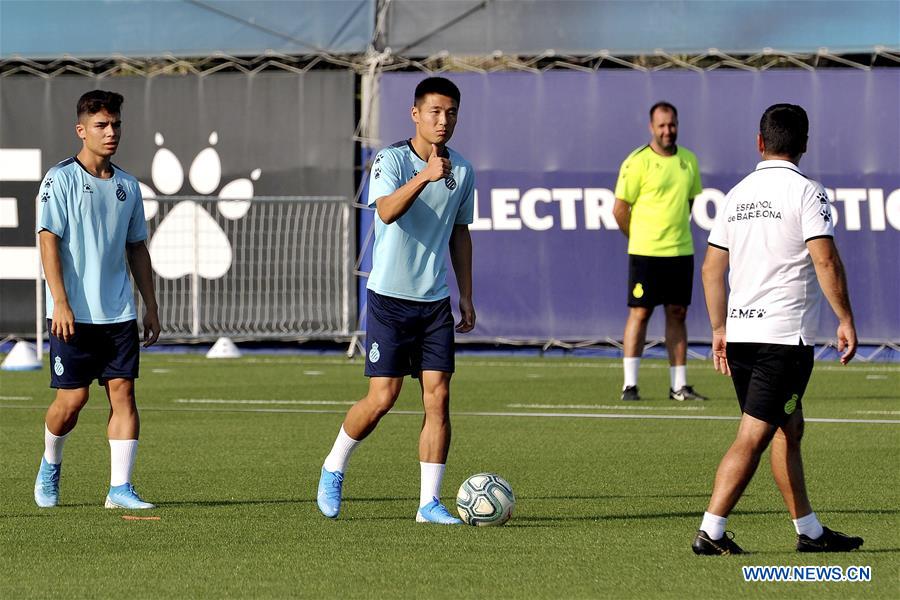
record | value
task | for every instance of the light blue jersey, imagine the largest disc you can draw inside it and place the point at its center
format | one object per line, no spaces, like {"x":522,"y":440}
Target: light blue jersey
{"x":409,"y":260}
{"x":94,"y":219}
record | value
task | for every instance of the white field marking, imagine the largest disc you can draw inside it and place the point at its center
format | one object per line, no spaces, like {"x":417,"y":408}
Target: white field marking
{"x":227,"y":401}
{"x":160,"y":370}
{"x":877,"y":412}
{"x":16,"y":398}
{"x":417,"y":413}
{"x":548,"y":363}
{"x":313,"y":373}
{"x":876,"y":377}
{"x":607,"y":407}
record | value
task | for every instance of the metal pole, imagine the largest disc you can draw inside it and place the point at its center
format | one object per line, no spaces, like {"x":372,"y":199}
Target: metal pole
{"x":38,"y":292}
{"x":195,"y":274}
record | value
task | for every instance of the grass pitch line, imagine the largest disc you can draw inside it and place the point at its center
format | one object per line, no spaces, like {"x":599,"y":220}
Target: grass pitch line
{"x":418,"y":413}
{"x":606,"y":407}
{"x":16,"y":398}
{"x":227,"y":401}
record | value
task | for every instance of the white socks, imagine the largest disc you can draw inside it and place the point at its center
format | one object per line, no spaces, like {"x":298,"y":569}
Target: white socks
{"x":122,"y":454}
{"x":53,"y":446}
{"x":631,"y":365}
{"x":809,"y":526}
{"x":678,"y":378}
{"x":713,"y":525}
{"x":340,"y":452}
{"x":432,"y":476}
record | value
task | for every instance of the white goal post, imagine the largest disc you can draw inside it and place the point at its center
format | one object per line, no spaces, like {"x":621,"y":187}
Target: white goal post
{"x":269,"y":268}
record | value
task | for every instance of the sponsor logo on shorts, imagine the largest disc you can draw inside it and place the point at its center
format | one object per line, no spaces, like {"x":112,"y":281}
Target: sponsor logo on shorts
{"x":791,"y":405}
{"x":58,"y":367}
{"x":638,"y":291}
{"x":747,"y":313}
{"x":374,"y":353}
{"x":120,"y":193}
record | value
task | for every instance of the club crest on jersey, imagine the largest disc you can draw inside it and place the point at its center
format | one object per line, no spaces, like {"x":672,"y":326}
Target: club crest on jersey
{"x":58,"y":367}
{"x":450,"y":182}
{"x":826,"y":214}
{"x":87,"y":189}
{"x":45,"y":196}
{"x":49,"y":182}
{"x":120,"y":193}
{"x":374,"y":353}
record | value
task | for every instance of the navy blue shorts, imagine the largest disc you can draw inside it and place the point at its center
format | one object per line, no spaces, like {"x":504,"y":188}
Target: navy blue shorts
{"x":405,"y":337}
{"x":101,"y":352}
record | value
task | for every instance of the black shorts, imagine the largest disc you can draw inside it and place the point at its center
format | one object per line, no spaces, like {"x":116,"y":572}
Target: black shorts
{"x":654,"y":280}
{"x":770,"y":379}
{"x":405,"y":337}
{"x":101,"y":352}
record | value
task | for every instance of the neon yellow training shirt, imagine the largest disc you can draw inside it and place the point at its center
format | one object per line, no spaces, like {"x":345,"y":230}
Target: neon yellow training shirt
{"x":659,"y":190}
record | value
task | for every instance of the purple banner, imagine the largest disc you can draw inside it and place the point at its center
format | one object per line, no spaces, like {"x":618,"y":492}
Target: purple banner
{"x":550,"y":263}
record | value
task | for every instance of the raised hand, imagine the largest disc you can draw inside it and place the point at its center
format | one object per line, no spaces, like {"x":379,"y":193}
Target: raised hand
{"x":438,"y":167}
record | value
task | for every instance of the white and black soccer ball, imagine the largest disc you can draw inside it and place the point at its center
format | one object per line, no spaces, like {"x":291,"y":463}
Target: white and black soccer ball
{"x":485,"y":499}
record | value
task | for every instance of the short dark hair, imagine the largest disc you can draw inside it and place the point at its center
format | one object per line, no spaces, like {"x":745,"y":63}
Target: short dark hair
{"x":96,"y":100}
{"x":784,"y":129}
{"x":663,"y":105}
{"x":436,"y":85}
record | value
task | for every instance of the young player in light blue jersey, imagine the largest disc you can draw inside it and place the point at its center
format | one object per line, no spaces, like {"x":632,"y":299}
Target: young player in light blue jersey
{"x":423,"y":193}
{"x":91,"y":218}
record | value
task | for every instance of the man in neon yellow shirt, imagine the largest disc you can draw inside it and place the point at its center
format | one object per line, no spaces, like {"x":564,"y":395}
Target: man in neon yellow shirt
{"x":654,"y":193}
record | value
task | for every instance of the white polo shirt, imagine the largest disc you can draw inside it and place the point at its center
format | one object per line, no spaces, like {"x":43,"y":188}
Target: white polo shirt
{"x":765,"y":224}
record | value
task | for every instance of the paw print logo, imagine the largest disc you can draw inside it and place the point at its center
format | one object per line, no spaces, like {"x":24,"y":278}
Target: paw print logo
{"x":172,"y":244}
{"x":826,"y":214}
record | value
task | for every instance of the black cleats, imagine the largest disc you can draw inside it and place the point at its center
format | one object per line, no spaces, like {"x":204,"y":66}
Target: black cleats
{"x":829,"y":541}
{"x":630,"y":394}
{"x":721,"y":547}
{"x":687,"y":392}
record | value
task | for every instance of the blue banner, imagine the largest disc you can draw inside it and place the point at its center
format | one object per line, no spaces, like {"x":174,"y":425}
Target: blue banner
{"x":550,"y":263}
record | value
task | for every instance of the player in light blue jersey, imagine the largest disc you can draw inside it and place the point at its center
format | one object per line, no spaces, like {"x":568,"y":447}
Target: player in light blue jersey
{"x":423,"y":193}
{"x":91,"y":219}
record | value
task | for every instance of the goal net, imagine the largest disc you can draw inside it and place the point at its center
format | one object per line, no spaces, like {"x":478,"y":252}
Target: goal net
{"x":265,"y":268}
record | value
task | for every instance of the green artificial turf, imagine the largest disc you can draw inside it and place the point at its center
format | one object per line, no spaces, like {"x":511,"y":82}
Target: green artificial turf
{"x":606,"y":507}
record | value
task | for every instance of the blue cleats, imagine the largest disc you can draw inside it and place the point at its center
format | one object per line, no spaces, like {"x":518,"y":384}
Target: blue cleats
{"x":329,"y":497}
{"x":435,"y":512}
{"x":46,"y":486}
{"x":124,"y":496}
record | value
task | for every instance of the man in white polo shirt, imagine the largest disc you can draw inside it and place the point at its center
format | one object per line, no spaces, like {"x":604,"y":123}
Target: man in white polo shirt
{"x":776,"y":234}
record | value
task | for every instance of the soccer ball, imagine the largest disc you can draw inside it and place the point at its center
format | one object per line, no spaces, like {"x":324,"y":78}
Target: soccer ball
{"x":485,"y":499}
